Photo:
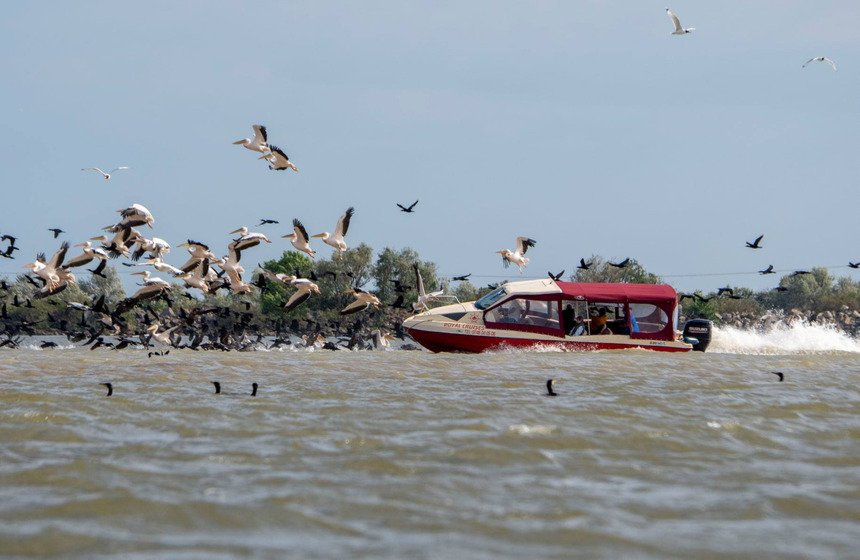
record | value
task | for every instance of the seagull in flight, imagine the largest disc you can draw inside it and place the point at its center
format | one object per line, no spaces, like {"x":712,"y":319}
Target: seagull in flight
{"x":409,"y":209}
{"x":678,"y":29}
{"x":820,"y":59}
{"x":755,"y":244}
{"x":105,"y":175}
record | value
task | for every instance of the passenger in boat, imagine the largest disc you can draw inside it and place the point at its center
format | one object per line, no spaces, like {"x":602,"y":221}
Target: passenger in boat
{"x":579,"y":326}
{"x":598,"y":321}
{"x":567,"y":318}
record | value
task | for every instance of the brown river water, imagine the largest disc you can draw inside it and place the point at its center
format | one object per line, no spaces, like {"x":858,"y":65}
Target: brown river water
{"x":402,"y":454}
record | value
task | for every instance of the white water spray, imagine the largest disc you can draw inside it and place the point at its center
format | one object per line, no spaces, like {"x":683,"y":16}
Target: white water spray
{"x":782,"y":339}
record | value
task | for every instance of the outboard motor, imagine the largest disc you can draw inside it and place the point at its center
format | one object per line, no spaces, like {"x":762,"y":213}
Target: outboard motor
{"x":698,"y":333}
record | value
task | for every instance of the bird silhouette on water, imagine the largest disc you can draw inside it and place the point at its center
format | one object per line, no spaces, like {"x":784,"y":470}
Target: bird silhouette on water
{"x":779,"y":374}
{"x":549,"y":391}
{"x":109,"y":388}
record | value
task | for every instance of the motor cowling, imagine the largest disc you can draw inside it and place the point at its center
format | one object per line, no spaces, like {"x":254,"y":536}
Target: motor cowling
{"x":698,"y":333}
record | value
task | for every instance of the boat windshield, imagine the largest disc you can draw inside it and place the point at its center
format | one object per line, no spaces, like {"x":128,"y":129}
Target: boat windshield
{"x":490,"y":298}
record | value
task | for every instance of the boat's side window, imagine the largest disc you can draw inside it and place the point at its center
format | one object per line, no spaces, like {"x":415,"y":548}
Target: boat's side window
{"x":525,"y":312}
{"x":649,"y":318}
{"x":490,"y":298}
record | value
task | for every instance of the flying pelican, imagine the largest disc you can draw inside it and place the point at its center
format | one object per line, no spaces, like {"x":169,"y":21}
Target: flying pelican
{"x":88,"y":255}
{"x":136,"y":215}
{"x":66,"y":278}
{"x":105,"y":175}
{"x":156,"y":247}
{"x":518,"y":257}
{"x":678,"y":29}
{"x":152,"y":287}
{"x":234,"y":270}
{"x":119,"y":244}
{"x":163,"y":337}
{"x":299,"y":239}
{"x":363,"y":300}
{"x":47,"y":270}
{"x":247,"y":240}
{"x":279,"y":160}
{"x":820,"y":59}
{"x":340,"y":230}
{"x":197,"y":277}
{"x":304,"y":287}
{"x":260,"y":141}
{"x":198,"y":252}
{"x":423,"y":297}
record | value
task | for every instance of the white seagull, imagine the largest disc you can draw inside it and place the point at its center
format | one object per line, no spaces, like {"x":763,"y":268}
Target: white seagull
{"x":279,"y":160}
{"x":678,"y":29}
{"x":260,"y":141}
{"x":821,"y":59}
{"x":106,"y":175}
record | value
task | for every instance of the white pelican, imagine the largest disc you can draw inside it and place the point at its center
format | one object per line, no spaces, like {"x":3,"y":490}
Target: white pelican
{"x":279,"y":160}
{"x":299,"y":239}
{"x":88,"y":255}
{"x":363,"y":300}
{"x":66,"y":278}
{"x":156,"y":247}
{"x":247,"y":240}
{"x":120,"y":243}
{"x":198,"y":252}
{"x":234,"y":270}
{"x":678,"y":29}
{"x":380,"y":340}
{"x":260,"y":141}
{"x":340,"y":230}
{"x":136,"y":215}
{"x":47,"y":270}
{"x":518,"y":257}
{"x":152,"y":287}
{"x":199,"y":276}
{"x":423,"y":297}
{"x":163,"y":337}
{"x":304,"y":287}
{"x":821,"y":59}
{"x":105,"y":175}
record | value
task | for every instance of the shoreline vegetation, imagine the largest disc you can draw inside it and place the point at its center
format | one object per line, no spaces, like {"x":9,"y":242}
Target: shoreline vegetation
{"x":225,"y":319}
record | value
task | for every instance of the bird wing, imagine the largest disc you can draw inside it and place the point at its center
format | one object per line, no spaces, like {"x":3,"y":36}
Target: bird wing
{"x":260,"y":135}
{"x":807,"y":62}
{"x":675,"y":20}
{"x":343,"y":223}
{"x":296,"y":299}
{"x":59,"y":256}
{"x":413,"y":205}
{"x":830,"y":62}
{"x":758,"y":240}
{"x":354,"y":307}
{"x":93,"y":169}
{"x":420,"y":281}
{"x":523,"y":244}
{"x":300,"y":230}
{"x":118,"y":168}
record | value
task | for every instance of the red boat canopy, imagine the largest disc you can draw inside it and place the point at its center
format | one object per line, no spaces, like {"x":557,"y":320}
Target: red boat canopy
{"x":656,"y":294}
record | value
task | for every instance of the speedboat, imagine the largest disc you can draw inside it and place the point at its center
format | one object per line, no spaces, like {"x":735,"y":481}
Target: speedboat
{"x":567,"y":315}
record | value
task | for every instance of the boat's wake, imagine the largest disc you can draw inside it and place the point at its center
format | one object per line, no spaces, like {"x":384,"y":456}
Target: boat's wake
{"x":796,"y":338}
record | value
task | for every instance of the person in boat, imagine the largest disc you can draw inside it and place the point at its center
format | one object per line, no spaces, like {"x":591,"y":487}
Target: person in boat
{"x":567,"y":317}
{"x":598,"y":321}
{"x":579,"y":327}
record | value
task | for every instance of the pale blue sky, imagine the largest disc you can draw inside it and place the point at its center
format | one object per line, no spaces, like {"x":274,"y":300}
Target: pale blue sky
{"x":584,"y":125}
